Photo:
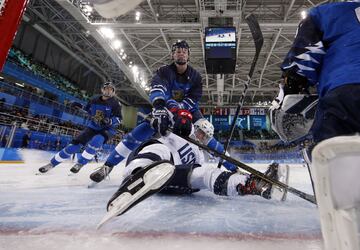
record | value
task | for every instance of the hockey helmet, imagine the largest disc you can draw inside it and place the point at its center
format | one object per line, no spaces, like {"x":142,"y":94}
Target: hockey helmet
{"x":203,"y":130}
{"x":180,"y":44}
{"x":108,"y":89}
{"x":294,"y":119}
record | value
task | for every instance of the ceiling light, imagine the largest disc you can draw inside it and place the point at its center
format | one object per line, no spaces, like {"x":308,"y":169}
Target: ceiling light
{"x":107,"y":32}
{"x":116,"y":44}
{"x":135,"y":69}
{"x":87,"y":8}
{"x":137,"y":16}
{"x":303,"y":14}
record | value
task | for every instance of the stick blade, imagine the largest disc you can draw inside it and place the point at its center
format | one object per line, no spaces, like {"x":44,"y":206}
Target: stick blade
{"x":255,"y":31}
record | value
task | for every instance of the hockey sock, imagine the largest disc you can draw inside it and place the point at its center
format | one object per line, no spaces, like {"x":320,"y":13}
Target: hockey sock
{"x":65,"y":153}
{"x":217,"y":146}
{"x":91,"y":148}
{"x":130,"y":142}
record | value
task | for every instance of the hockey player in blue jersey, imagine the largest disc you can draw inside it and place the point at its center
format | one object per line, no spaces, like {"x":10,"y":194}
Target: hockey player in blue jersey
{"x":175,"y":92}
{"x":326,"y":54}
{"x":105,"y":114}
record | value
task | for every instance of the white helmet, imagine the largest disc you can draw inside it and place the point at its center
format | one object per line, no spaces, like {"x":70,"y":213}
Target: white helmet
{"x":107,"y":93}
{"x":206,"y":127}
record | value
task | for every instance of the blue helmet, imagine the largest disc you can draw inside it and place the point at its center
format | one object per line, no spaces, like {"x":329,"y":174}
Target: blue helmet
{"x":180,"y":44}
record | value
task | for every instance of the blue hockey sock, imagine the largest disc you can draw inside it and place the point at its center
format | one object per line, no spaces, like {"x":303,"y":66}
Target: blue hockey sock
{"x":94,"y":145}
{"x":65,"y":153}
{"x":131,"y":141}
{"x":218,"y":147}
{"x":114,"y":159}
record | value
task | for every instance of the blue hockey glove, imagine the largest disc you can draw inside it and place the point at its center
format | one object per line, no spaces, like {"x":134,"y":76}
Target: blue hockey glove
{"x":161,"y":120}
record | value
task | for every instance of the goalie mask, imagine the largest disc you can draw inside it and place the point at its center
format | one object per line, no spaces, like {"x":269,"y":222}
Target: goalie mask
{"x":203,"y":130}
{"x":295,"y":117}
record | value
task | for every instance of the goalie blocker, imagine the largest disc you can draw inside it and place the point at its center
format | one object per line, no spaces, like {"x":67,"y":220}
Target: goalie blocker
{"x":336,"y":171}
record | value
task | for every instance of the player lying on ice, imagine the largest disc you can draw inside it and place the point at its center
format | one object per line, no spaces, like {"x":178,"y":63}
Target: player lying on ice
{"x":172,"y":165}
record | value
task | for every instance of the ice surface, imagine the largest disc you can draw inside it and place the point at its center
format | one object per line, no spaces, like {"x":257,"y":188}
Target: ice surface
{"x":57,"y":211}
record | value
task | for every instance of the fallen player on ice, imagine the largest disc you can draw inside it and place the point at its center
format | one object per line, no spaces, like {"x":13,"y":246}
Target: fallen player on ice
{"x":172,"y":165}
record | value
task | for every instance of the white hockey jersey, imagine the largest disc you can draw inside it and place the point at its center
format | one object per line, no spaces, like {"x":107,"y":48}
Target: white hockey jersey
{"x":183,"y":151}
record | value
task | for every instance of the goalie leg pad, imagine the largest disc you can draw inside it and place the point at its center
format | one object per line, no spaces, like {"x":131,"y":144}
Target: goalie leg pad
{"x":336,"y":168}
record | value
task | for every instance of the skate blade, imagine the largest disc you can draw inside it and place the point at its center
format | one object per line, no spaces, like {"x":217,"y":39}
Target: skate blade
{"x":92,"y":184}
{"x":278,"y":193}
{"x":153,"y":179}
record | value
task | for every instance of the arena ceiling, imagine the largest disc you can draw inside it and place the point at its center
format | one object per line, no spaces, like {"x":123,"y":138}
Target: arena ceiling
{"x":146,"y":42}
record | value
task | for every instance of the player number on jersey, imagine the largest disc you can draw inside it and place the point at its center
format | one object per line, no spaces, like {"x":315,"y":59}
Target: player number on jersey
{"x":357,"y":11}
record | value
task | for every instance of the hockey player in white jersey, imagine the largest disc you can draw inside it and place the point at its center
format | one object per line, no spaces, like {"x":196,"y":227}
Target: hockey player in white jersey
{"x":172,"y":165}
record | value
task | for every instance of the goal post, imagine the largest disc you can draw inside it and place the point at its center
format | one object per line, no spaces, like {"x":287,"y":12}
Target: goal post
{"x":11,"y":13}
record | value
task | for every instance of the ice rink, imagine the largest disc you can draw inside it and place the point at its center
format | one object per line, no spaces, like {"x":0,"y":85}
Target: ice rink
{"x":57,"y":211}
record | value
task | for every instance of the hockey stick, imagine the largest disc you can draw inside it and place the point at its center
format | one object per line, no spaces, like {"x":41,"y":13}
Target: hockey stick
{"x":305,"y":196}
{"x":253,"y":171}
{"x":308,"y":163}
{"x":258,"y":40}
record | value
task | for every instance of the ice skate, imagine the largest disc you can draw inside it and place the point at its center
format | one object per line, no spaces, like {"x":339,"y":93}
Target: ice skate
{"x":45,"y":168}
{"x":257,"y":186}
{"x":138,"y":187}
{"x":100,"y":174}
{"x":76,"y":168}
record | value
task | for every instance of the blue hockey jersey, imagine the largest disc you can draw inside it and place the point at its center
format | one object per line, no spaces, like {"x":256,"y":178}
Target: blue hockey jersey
{"x":326,"y":49}
{"x":178,"y":90}
{"x":99,"y":109}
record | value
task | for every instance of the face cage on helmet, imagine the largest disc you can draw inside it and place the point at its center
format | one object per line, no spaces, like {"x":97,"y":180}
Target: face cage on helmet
{"x":108,"y":95}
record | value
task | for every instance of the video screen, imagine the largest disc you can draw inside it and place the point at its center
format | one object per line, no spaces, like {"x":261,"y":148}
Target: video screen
{"x":257,"y":122}
{"x":220,"y":35}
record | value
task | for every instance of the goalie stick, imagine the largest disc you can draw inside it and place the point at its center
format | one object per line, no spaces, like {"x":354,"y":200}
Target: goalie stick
{"x":240,"y":165}
{"x":258,"y":40}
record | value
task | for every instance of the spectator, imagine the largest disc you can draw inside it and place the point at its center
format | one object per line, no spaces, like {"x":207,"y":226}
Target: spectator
{"x":26,"y":140}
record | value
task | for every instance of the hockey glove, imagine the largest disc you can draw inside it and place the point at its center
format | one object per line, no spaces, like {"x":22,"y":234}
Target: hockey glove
{"x":105,"y":122}
{"x":183,"y":122}
{"x":161,"y":120}
{"x":294,"y":83}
